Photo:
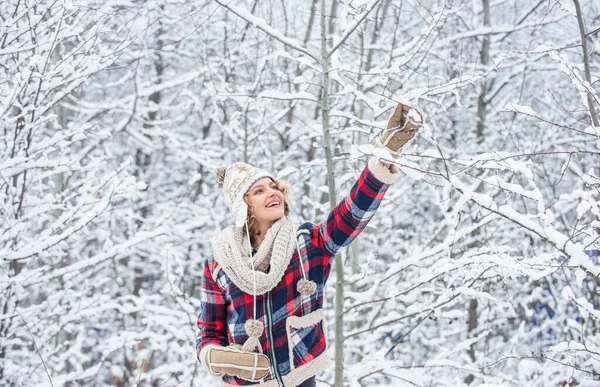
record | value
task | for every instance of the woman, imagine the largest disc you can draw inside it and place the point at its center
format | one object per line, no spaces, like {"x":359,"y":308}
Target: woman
{"x":261,"y":316}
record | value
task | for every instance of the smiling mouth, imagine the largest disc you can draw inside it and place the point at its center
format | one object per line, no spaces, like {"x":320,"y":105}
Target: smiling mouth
{"x":274,"y":204}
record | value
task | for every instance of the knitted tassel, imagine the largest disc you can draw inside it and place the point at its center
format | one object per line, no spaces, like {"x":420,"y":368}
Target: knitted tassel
{"x":306,"y":287}
{"x":254,"y":328}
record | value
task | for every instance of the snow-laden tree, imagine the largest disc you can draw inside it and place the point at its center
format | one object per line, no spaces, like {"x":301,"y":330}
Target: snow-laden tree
{"x":478,"y":268}
{"x":55,"y":188}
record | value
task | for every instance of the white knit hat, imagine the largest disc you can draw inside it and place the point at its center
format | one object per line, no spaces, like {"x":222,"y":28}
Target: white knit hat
{"x":237,"y":179}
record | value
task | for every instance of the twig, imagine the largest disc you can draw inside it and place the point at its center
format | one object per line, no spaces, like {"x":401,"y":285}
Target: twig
{"x":35,"y":345}
{"x":350,"y":30}
{"x":141,"y":372}
{"x":540,"y":356}
{"x":586,"y":63}
{"x":409,"y":332}
{"x":262,"y":25}
{"x":444,"y":160}
{"x":592,"y":32}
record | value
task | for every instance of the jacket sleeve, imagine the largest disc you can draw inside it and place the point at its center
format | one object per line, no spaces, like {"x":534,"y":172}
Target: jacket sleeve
{"x":212,"y":320}
{"x":352,"y":214}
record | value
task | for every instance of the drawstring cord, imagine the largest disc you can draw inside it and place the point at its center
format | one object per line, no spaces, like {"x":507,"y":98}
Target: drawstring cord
{"x":252,"y":264}
{"x":305,"y":287}
{"x":254,"y":327}
{"x":298,"y":249}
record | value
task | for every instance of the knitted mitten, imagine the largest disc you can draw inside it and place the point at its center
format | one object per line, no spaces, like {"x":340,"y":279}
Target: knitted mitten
{"x":402,"y":126}
{"x":232,"y":360}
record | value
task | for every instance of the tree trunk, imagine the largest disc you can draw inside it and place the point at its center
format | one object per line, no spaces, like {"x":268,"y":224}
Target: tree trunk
{"x":339,"y":268}
{"x":479,"y":137}
{"x":586,"y":63}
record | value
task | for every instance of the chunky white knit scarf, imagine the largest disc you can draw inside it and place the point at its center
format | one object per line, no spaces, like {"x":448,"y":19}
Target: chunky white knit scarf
{"x":234,"y":256}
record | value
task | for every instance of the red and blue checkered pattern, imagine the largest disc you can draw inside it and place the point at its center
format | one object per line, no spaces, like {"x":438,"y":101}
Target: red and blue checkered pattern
{"x":224,"y":308}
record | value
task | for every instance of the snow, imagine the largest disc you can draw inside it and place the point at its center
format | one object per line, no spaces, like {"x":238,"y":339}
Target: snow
{"x":114,"y":118}
{"x":583,"y":207}
{"x":542,"y":49}
{"x":568,"y":7}
{"x":302,"y":95}
{"x":564,"y":346}
{"x":512,"y":107}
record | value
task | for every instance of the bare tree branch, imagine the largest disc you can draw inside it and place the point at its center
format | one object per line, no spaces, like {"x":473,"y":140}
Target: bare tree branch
{"x":262,"y":25}
{"x":353,"y":27}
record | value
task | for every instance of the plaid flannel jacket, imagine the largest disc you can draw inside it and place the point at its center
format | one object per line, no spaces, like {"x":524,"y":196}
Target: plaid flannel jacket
{"x":294,"y":337}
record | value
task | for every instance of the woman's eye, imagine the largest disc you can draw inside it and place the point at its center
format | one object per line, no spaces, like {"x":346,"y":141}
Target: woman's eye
{"x":258,"y":191}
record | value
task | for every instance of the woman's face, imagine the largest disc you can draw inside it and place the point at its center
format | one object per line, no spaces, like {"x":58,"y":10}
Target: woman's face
{"x":265,"y":201}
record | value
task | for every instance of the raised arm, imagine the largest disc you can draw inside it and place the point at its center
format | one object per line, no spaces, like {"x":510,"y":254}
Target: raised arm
{"x":352,"y":214}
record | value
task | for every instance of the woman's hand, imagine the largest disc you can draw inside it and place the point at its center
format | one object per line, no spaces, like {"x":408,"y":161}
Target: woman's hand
{"x":233,"y":361}
{"x":401,"y":128}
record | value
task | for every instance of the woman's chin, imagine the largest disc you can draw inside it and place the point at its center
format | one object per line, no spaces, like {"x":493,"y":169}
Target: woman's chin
{"x":277,"y":217}
{"x":272,"y":217}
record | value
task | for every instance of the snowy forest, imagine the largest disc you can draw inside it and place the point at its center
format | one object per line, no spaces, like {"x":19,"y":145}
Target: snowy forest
{"x":480,"y":268}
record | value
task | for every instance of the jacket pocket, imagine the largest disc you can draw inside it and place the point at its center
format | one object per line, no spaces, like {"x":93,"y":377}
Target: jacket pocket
{"x":306,"y":337}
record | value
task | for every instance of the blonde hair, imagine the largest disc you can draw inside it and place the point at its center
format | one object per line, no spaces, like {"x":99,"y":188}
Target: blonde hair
{"x":253,"y":229}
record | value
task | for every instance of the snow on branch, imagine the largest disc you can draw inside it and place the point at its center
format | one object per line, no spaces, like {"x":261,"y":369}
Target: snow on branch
{"x":262,"y":25}
{"x":301,"y":95}
{"x":44,"y":274}
{"x":575,"y":252}
{"x":36,"y":247}
{"x":350,"y":30}
{"x":513,"y":107}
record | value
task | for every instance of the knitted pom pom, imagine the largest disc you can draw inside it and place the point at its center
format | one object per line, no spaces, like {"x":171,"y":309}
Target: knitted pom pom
{"x":220,"y":173}
{"x":254,"y":328}
{"x":306,"y":287}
